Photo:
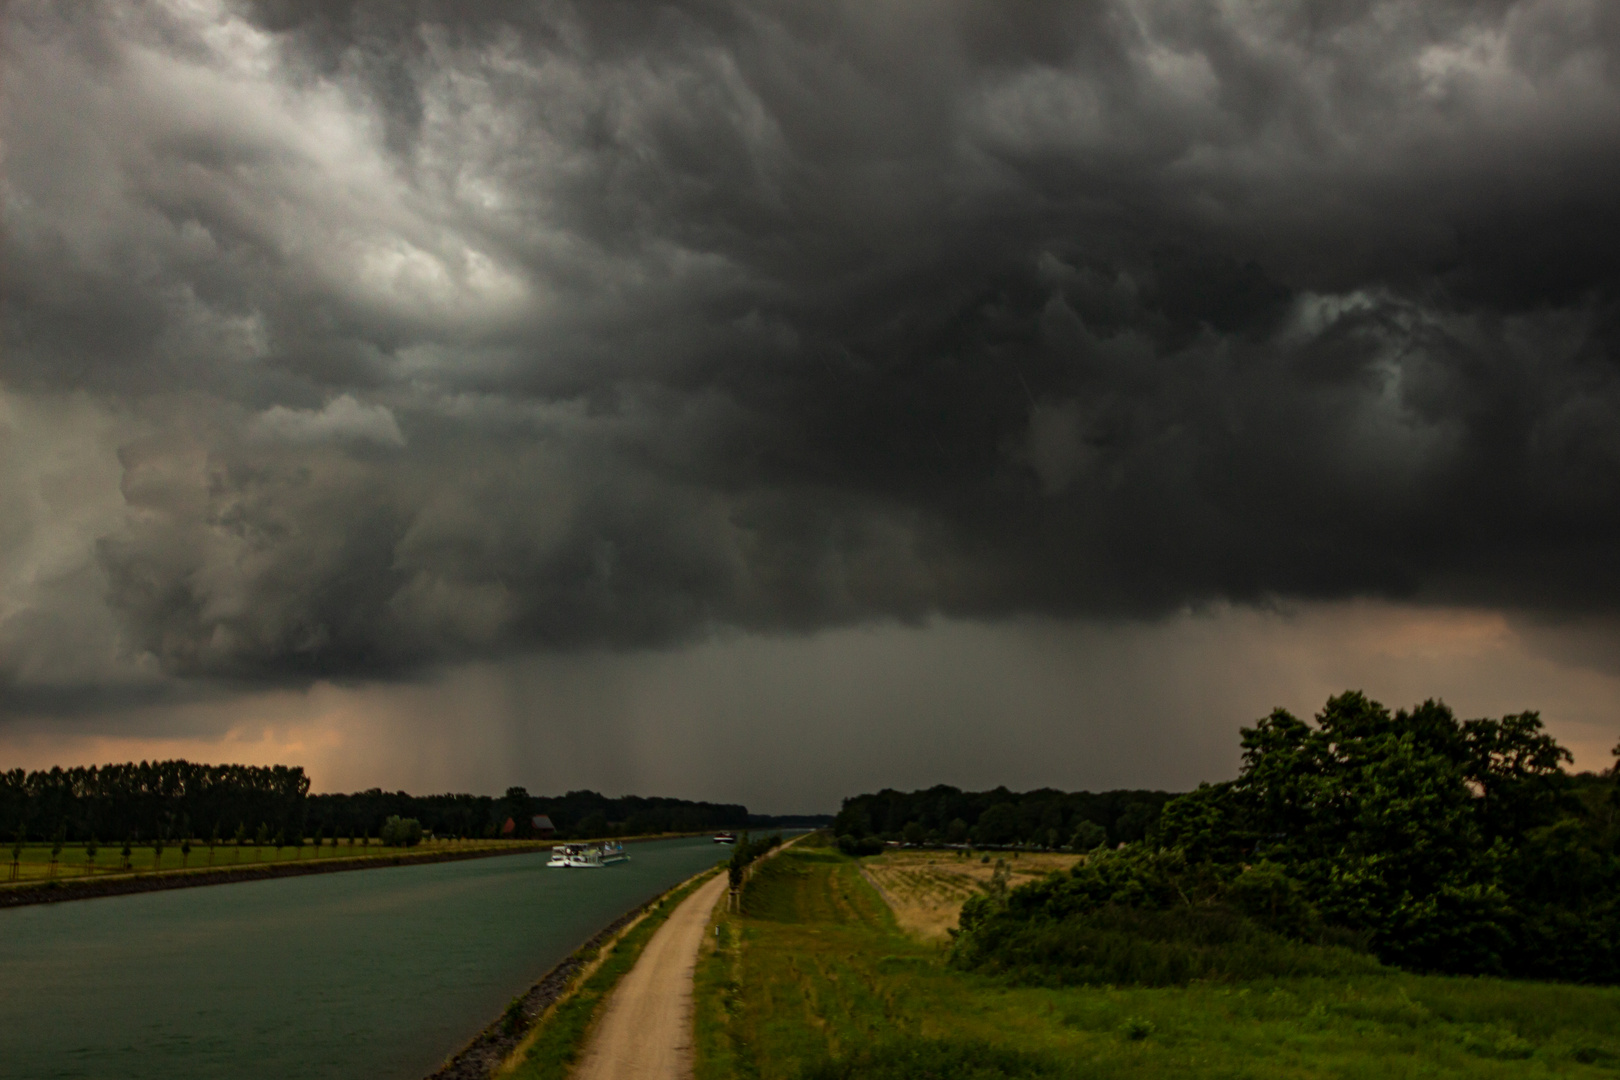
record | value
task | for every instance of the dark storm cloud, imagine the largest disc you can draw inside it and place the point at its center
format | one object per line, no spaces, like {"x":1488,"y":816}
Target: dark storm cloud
{"x":452,"y":329}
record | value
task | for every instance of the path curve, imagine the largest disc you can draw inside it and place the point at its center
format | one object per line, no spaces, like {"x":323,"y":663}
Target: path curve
{"x":646,"y":1031}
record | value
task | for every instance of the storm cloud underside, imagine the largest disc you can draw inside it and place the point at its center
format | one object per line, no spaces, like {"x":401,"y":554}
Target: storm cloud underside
{"x":351,"y":341}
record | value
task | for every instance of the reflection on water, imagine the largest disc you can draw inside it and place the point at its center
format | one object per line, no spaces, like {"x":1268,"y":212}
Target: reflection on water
{"x":376,"y":973}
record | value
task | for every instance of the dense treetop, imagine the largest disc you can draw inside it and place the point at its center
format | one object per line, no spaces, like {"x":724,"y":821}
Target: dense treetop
{"x":1438,"y":844}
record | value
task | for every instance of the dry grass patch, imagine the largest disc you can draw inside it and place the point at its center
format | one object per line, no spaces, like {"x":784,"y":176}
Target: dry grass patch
{"x":926,"y":889}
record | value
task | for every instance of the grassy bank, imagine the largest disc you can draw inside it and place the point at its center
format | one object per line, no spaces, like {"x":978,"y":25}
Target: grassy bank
{"x":815,"y":977}
{"x":73,"y":863}
{"x":552,"y":1047}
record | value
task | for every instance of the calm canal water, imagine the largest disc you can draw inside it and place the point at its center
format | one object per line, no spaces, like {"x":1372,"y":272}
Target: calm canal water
{"x":375,"y":973}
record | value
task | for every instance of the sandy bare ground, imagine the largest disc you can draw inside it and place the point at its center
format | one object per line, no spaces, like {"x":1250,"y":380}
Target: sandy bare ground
{"x":646,"y":1030}
{"x":926,"y":889}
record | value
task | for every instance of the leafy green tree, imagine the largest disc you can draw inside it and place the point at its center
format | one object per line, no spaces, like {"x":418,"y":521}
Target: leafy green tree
{"x":185,"y":851}
{"x":1088,"y":836}
{"x":157,"y":851}
{"x":1440,"y":839}
{"x":914,"y":834}
{"x":997,"y":825}
{"x":128,"y":851}
{"x":956,"y":832}
{"x":90,"y":849}
{"x":401,"y":832}
{"x":57,"y":842}
{"x":16,"y":852}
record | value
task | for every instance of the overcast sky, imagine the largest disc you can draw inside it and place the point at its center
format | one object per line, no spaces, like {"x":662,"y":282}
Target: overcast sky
{"x":775,"y":400}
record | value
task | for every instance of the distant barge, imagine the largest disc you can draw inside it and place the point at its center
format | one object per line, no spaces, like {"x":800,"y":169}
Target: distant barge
{"x":587,"y":856}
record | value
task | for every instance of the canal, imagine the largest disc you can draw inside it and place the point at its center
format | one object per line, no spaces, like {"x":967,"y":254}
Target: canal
{"x":375,"y":973}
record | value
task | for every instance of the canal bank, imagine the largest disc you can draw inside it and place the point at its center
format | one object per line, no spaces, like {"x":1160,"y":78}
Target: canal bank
{"x":58,"y":890}
{"x":338,"y":975}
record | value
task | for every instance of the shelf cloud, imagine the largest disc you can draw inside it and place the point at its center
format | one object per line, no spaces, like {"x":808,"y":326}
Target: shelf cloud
{"x":422,"y":334}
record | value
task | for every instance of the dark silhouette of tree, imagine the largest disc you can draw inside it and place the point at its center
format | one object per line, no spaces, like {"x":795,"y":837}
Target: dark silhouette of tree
{"x":1088,"y":836}
{"x":90,"y":849}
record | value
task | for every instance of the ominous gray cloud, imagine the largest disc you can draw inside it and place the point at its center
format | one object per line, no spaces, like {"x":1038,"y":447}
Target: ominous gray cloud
{"x":787,"y":723}
{"x":436,"y":331}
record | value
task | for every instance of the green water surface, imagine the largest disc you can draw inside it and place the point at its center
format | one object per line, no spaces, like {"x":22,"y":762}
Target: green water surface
{"x":372,"y":973}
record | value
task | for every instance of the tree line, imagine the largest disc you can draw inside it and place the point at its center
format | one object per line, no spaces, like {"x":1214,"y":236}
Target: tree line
{"x":1428,"y":842}
{"x":152,"y":800}
{"x":1000,"y":818}
{"x":577,"y":814}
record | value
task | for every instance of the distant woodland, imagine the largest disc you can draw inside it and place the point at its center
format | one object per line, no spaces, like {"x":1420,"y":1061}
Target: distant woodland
{"x":1000,"y":818}
{"x":184,"y":799}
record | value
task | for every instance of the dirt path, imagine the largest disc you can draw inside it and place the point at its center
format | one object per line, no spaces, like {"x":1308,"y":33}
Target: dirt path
{"x":646,"y":1032}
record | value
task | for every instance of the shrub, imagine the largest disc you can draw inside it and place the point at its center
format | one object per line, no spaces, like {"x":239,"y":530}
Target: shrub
{"x":1133,"y":946}
{"x":513,"y":1019}
{"x":870,"y":845}
{"x":1135,"y":1028}
{"x":1088,"y":836}
{"x":401,"y":832}
{"x":1152,"y":919}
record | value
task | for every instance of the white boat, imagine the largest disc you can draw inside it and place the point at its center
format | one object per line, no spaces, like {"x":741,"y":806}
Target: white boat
{"x":587,"y":856}
{"x":725,"y":838}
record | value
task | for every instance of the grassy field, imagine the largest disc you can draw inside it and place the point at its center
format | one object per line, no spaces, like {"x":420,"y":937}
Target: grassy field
{"x":73,"y":862}
{"x":925,"y":889}
{"x":816,"y":977}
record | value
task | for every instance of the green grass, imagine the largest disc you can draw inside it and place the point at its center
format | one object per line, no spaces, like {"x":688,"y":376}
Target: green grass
{"x":553,"y":1049}
{"x":813,"y":979}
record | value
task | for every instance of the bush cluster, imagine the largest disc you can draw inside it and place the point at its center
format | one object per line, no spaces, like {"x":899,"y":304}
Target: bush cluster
{"x":401,"y":832}
{"x":745,"y":851}
{"x":1434,"y":844}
